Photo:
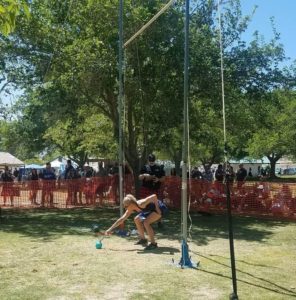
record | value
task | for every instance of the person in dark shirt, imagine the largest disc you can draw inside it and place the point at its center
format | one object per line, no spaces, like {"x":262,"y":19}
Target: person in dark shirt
{"x":219,"y":174}
{"x":152,"y":176}
{"x":207,"y":174}
{"x":69,"y":170}
{"x":48,"y":184}
{"x":196,"y":174}
{"x":16,"y":173}
{"x":73,"y":185}
{"x":7,"y":189}
{"x":241,"y":175}
{"x":33,"y":186}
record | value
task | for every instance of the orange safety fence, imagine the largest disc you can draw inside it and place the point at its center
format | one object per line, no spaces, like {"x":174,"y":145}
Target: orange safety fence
{"x":250,"y":198}
{"x":95,"y":191}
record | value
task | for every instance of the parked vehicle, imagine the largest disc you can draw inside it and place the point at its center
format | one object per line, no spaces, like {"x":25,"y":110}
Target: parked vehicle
{"x":289,"y":171}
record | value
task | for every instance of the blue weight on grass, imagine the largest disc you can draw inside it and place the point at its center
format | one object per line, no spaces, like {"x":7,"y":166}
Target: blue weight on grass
{"x":99,"y":245}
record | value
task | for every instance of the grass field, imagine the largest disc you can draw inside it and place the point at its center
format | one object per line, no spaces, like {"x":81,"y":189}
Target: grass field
{"x":52,"y":255}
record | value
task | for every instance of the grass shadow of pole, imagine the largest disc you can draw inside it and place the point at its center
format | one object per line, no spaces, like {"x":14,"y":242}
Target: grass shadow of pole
{"x":290,"y":293}
{"x":233,"y":295}
{"x":286,"y":290}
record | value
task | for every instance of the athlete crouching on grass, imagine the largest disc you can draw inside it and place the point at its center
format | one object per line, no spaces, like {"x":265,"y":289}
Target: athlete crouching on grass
{"x":149,"y":212}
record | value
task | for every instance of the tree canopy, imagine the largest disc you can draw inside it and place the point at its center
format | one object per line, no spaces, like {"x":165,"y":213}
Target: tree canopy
{"x":64,"y":58}
{"x":9,"y":10}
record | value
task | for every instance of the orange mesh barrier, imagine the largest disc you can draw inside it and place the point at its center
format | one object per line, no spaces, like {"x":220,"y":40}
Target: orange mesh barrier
{"x":61,"y":193}
{"x":172,"y":188}
{"x":251,"y":198}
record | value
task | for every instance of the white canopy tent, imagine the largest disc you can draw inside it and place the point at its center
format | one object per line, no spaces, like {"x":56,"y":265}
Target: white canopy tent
{"x":33,"y":166}
{"x":7,"y":159}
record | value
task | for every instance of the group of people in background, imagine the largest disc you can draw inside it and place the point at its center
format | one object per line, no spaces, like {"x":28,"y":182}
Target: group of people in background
{"x":220,"y":173}
{"x":47,"y":179}
{"x":152,"y":175}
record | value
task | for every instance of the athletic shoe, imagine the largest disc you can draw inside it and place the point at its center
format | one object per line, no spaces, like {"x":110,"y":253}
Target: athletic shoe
{"x":151,"y":246}
{"x":141,"y":242}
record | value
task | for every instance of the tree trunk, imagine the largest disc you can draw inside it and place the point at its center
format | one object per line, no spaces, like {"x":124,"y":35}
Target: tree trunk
{"x":273,"y":158}
{"x":136,"y":166}
{"x":135,"y":162}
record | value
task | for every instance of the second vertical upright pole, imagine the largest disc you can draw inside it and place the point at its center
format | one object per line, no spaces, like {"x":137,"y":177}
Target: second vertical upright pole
{"x":120,"y":105}
{"x":185,"y":259}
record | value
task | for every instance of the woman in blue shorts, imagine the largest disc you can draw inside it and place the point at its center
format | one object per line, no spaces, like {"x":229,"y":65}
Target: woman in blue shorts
{"x":149,"y":212}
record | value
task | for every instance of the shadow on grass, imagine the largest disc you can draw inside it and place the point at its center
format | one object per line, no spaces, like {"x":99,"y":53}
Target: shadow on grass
{"x":293,"y":293}
{"x":160,"y":250}
{"x":210,"y":227}
{"x":273,"y":287}
{"x":51,"y":224}
{"x":241,"y":261}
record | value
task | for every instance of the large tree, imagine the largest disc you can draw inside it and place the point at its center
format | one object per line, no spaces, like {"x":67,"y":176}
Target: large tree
{"x":274,"y":136}
{"x":66,"y":56}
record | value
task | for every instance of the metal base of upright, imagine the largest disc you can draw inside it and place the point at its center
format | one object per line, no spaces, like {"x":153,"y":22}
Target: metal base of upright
{"x":233,"y":296}
{"x":185,"y":261}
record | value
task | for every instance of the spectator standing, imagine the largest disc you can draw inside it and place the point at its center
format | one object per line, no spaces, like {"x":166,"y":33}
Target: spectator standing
{"x":48,"y":184}
{"x":113,"y":190}
{"x":69,"y":168}
{"x":16,"y":173}
{"x":87,"y":172}
{"x":219,"y":174}
{"x":152,"y":176}
{"x":196,"y":174}
{"x":102,"y":171}
{"x":219,"y":177}
{"x":101,"y":183}
{"x":33,"y":186}
{"x":208,"y":174}
{"x":73,"y":186}
{"x":241,"y":176}
{"x":7,"y":189}
{"x":263,"y":172}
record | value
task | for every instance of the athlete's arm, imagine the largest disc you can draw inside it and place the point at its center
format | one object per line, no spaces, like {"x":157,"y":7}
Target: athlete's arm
{"x":127,"y":213}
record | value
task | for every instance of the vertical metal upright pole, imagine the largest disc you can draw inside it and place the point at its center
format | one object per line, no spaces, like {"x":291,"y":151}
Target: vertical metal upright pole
{"x":233,"y":295}
{"x":120,"y":104}
{"x":185,"y":125}
{"x":185,"y":259}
